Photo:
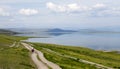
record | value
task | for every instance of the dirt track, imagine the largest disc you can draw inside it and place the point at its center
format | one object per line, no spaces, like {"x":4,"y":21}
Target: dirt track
{"x":44,"y":63}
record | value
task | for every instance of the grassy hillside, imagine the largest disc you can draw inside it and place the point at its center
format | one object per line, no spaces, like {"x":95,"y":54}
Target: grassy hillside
{"x":16,"y":57}
{"x":52,"y":52}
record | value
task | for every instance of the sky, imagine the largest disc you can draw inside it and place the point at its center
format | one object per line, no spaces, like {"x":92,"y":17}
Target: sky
{"x":70,"y":14}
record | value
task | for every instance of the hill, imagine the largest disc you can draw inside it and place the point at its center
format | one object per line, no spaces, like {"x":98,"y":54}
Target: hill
{"x":60,"y":30}
{"x":4,"y":31}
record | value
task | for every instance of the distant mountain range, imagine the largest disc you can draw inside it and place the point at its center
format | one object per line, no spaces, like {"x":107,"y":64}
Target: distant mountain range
{"x":54,"y":30}
{"x":4,"y":31}
{"x":99,"y":31}
{"x":57,"y":30}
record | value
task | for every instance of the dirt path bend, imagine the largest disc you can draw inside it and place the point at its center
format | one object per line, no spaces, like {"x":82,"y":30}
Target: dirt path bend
{"x":42,"y":58}
{"x":13,"y":44}
{"x":50,"y":64}
{"x":38,"y":63}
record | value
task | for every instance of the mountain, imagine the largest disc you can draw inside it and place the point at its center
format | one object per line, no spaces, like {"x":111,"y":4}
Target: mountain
{"x":100,"y":30}
{"x":57,"y":30}
{"x":28,"y":30}
{"x":4,"y":31}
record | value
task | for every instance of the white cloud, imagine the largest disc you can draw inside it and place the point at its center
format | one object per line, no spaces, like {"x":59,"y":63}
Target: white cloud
{"x":51,"y":5}
{"x":55,"y":7}
{"x":104,"y":10}
{"x":28,"y":12}
{"x":98,"y":9}
{"x":110,"y":12}
{"x":99,"y":5}
{"x":73,"y":7}
{"x":3,"y":12}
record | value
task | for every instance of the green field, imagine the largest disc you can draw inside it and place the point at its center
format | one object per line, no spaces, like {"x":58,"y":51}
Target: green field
{"x":110,"y":59}
{"x":14,"y":57}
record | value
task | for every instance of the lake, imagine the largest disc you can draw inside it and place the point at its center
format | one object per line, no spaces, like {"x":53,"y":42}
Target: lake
{"x":97,"y":41}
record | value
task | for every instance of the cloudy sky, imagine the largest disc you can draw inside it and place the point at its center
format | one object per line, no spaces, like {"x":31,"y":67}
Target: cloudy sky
{"x":72,"y":14}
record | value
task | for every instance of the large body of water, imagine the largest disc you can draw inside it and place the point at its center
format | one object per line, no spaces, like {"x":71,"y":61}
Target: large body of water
{"x":98,"y":41}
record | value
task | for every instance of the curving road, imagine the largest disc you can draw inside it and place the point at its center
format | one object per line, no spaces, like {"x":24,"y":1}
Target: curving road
{"x":43,"y":63}
{"x":38,"y":63}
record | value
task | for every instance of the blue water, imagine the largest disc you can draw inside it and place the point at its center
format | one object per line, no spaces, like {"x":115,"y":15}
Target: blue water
{"x":97,"y":41}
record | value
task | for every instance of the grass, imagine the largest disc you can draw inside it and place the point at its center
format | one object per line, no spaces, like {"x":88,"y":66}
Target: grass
{"x":66,"y":63}
{"x":110,"y":59}
{"x":18,"y":57}
{"x":14,"y":57}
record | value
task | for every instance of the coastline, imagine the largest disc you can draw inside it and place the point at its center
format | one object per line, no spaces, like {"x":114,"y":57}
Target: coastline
{"x":80,"y":57}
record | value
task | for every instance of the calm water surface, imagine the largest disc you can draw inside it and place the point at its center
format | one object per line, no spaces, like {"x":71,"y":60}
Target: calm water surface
{"x":98,"y":41}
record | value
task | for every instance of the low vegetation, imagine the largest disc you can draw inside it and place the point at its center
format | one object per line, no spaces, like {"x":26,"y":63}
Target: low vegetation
{"x":110,"y":59}
{"x":14,"y":57}
{"x":17,"y":57}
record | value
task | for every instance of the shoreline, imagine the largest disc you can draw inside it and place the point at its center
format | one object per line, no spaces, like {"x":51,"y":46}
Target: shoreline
{"x":103,"y":50}
{"x":61,"y":55}
{"x":79,"y":53}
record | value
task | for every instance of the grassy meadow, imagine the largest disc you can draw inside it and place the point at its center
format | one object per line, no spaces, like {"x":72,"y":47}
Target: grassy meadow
{"x":14,"y":57}
{"x":52,"y":51}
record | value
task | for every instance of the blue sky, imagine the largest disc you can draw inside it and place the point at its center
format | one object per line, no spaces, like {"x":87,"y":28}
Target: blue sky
{"x":71,"y":14}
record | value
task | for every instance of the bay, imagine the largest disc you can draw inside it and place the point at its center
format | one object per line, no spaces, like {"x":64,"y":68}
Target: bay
{"x":97,"y":41}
